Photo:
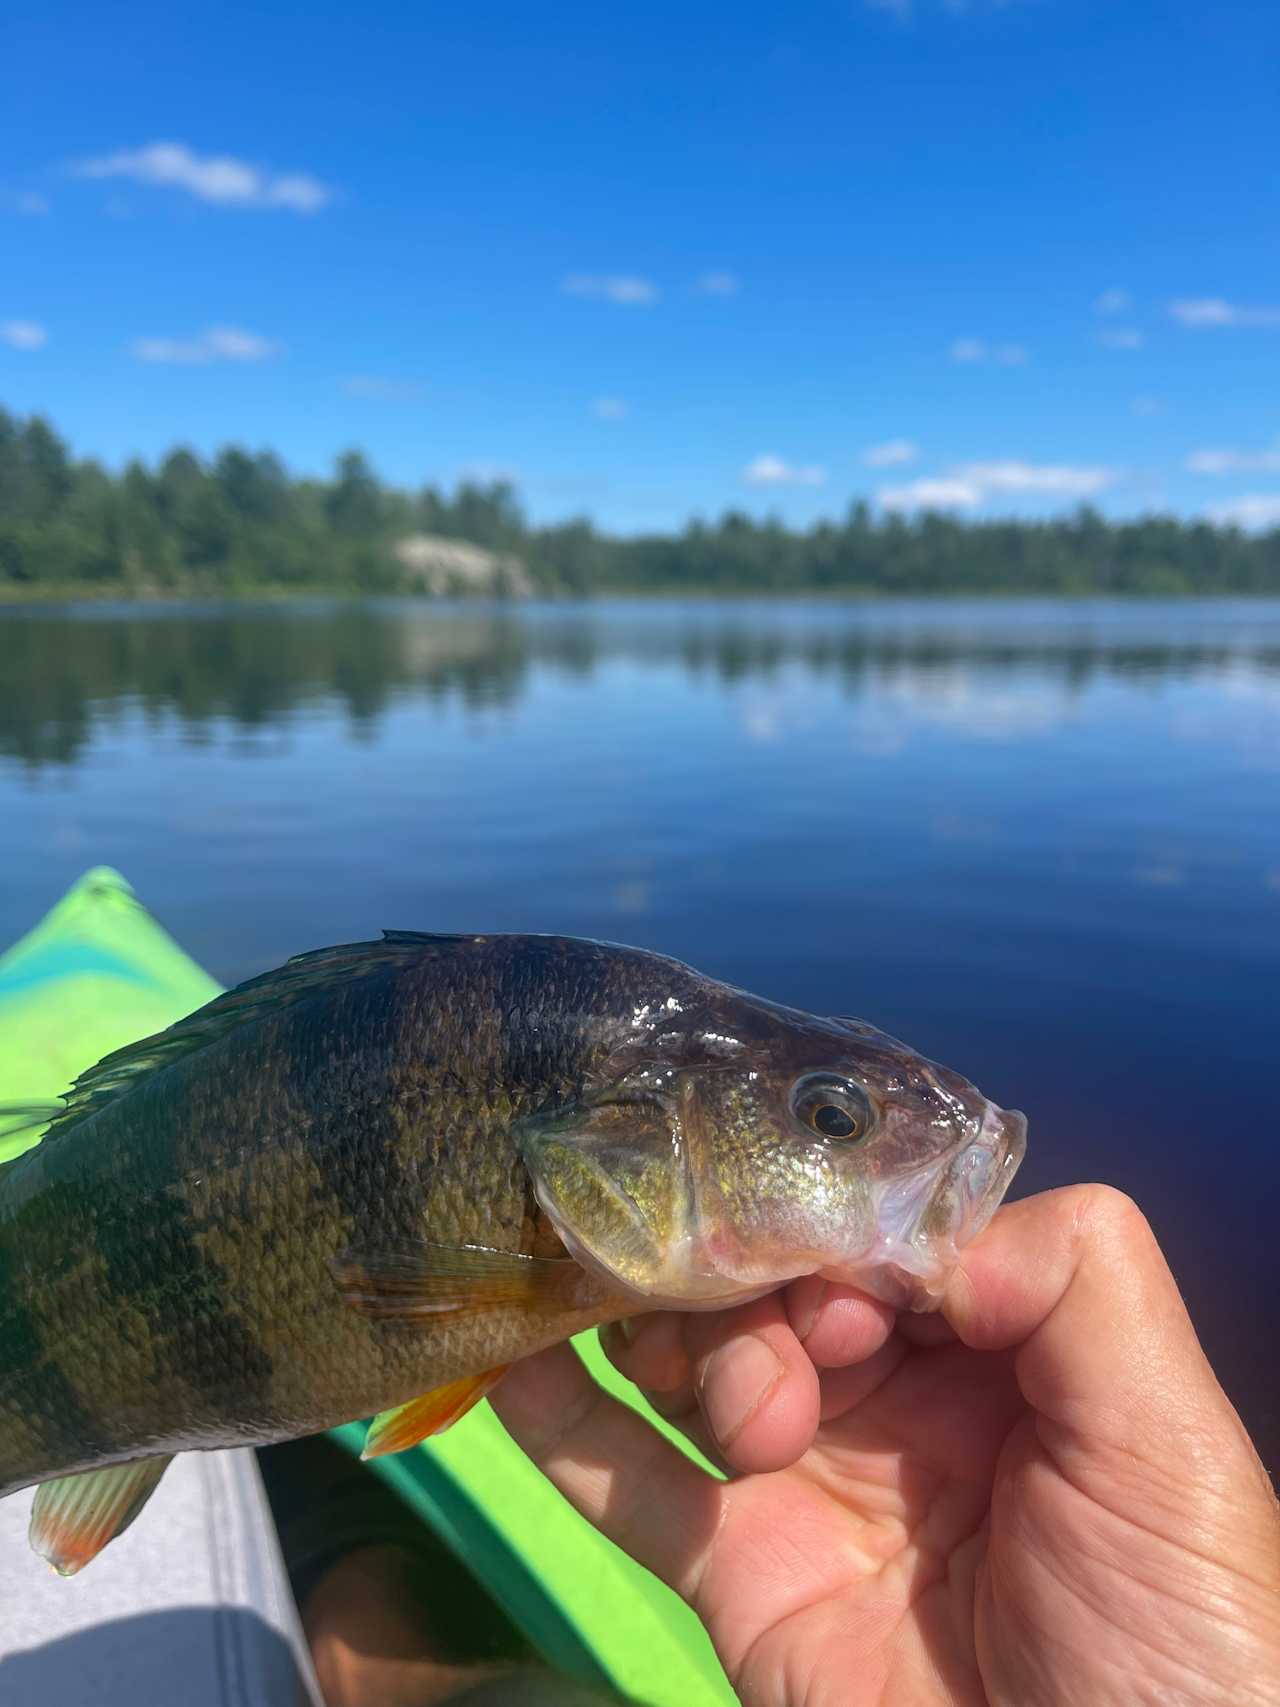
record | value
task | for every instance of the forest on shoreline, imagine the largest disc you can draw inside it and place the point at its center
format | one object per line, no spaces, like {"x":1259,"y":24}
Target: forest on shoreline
{"x":241,"y":523}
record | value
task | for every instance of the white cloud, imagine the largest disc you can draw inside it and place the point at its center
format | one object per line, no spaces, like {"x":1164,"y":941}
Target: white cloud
{"x":1122,"y":338}
{"x":219,"y":178}
{"x":1051,"y":480}
{"x":1233,"y":462}
{"x":1256,"y":513}
{"x":215,"y":344}
{"x":931,"y":495}
{"x":768,"y":470}
{"x":719,"y":284}
{"x":1213,"y":311}
{"x":974,"y":483}
{"x":374,"y":388}
{"x":23,"y":334}
{"x":1113,"y":302}
{"x":891,"y":454}
{"x":976,"y":350}
{"x":622,"y":288}
{"x":610,"y":408}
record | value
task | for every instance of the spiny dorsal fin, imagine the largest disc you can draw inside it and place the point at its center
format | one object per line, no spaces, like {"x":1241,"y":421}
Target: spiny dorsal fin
{"x":303,"y":976}
{"x":21,"y":1119}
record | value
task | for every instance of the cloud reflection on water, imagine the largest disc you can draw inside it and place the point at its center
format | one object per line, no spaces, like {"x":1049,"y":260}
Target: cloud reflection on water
{"x":993,"y":672}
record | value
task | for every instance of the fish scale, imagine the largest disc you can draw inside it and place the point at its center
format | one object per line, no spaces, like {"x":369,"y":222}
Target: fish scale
{"x":215,"y":1187}
{"x":368,"y":1181}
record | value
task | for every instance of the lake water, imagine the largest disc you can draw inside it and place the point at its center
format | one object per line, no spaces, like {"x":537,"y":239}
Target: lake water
{"x":1039,"y":841}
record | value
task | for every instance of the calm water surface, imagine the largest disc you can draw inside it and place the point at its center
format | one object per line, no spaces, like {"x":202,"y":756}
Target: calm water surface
{"x":1041,"y":842}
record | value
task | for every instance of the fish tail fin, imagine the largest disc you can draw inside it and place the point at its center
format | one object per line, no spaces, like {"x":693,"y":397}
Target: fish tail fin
{"x":74,"y":1517}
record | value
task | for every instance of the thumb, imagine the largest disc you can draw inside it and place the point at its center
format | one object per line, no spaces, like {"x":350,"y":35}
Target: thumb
{"x":1074,"y":1282}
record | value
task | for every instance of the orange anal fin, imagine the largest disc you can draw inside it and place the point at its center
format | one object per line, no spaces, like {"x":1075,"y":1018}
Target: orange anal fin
{"x":74,"y":1517}
{"x":394,"y":1431}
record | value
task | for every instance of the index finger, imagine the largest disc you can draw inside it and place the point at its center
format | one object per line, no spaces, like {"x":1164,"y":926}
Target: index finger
{"x":742,"y":1382}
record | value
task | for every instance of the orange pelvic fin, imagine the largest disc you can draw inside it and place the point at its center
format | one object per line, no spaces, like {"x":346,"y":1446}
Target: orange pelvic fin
{"x":393,"y":1431}
{"x":74,"y":1517}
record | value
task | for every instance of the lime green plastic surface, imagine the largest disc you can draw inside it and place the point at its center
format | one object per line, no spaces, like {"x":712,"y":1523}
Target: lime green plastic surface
{"x":97,"y":973}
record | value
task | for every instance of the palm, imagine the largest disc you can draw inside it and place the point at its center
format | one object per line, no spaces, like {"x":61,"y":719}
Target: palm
{"x":850,"y":1577}
{"x":936,"y":1543}
{"x":1040,"y":1498}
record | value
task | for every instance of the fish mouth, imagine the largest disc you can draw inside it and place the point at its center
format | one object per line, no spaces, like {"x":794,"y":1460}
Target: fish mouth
{"x":923,"y":1223}
{"x":974,"y":1186}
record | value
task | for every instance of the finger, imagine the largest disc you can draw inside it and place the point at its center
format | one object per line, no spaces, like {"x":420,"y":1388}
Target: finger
{"x":843,"y":1390}
{"x":928,"y":1329}
{"x":650,"y":1351}
{"x":755,"y":1383}
{"x":657,"y":1361}
{"x":735,"y":1381}
{"x":621,"y":1474}
{"x":836,"y":1324}
{"x":1075,"y":1280}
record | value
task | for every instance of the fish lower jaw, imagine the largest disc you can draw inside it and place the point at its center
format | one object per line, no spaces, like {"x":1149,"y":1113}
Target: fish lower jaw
{"x":700,"y":1277}
{"x":906,"y":1276}
{"x":703,"y":1277}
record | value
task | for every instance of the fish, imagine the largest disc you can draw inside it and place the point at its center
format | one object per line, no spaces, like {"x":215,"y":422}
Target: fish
{"x":369,"y":1181}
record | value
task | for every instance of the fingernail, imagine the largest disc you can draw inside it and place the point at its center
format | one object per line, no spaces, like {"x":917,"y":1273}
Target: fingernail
{"x":803,"y":1318}
{"x":735,"y":1381}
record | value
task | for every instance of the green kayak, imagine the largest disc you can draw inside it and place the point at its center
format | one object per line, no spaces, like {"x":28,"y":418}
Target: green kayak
{"x":98,"y":972}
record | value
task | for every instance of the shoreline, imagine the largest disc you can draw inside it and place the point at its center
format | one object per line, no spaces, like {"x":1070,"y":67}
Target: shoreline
{"x":14,"y":596}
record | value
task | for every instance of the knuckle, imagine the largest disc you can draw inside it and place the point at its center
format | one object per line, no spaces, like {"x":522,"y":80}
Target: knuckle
{"x":1102,"y":1214}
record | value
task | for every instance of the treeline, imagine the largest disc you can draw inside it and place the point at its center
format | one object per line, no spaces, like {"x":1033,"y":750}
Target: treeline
{"x":241,"y":521}
{"x":236,"y":523}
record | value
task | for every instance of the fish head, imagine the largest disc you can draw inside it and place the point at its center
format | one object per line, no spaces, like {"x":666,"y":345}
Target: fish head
{"x":722,"y":1160}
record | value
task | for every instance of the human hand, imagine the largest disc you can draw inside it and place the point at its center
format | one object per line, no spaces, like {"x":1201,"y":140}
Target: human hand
{"x":1040,"y":1497}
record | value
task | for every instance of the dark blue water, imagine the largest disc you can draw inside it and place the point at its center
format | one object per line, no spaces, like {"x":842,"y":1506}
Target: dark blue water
{"x":1041,"y":842}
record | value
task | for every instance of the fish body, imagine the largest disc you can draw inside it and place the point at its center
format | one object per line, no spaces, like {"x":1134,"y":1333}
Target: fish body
{"x":167,"y":1255}
{"x":393,"y":1166}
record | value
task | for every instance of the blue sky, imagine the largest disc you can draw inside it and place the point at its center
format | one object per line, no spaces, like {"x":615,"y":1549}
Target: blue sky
{"x":652,"y":261}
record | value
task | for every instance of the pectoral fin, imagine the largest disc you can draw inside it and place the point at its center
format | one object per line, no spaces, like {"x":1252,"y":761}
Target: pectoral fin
{"x":461,"y":1281}
{"x":74,"y":1517}
{"x":394,"y":1431}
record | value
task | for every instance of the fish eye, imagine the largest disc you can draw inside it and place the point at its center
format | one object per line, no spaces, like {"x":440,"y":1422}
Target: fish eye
{"x":831,"y":1107}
